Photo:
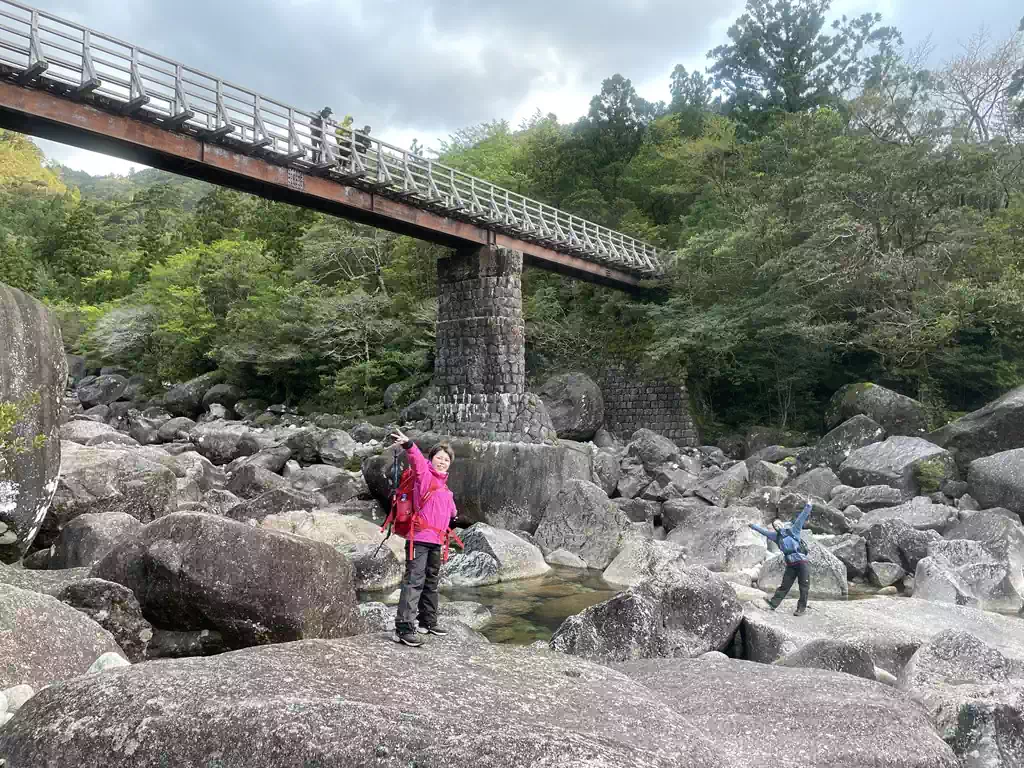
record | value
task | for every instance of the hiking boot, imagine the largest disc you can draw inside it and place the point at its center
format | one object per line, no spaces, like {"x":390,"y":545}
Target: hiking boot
{"x":799,"y":611}
{"x":434,"y":630}
{"x":407,"y":638}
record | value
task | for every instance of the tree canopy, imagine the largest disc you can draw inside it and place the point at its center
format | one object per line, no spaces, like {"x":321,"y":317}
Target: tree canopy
{"x":840,"y":208}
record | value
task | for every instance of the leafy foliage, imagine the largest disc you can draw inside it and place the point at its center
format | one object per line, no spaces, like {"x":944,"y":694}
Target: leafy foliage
{"x":838,"y":211}
{"x":12,"y":416}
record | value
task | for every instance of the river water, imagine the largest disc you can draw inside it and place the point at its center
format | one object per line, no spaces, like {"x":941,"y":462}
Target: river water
{"x":528,"y":610}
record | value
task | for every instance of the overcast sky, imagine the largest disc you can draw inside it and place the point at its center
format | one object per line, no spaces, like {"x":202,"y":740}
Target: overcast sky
{"x":425,"y":68}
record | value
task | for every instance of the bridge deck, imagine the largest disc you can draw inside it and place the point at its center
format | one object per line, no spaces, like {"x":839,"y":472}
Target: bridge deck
{"x":80,"y":87}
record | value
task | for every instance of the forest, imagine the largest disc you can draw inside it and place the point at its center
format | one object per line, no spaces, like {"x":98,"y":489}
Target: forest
{"x":841,"y":207}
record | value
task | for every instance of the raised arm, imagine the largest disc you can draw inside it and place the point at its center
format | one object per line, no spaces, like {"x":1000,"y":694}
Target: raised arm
{"x":418,"y":462}
{"x":771,"y":535}
{"x":801,"y":519}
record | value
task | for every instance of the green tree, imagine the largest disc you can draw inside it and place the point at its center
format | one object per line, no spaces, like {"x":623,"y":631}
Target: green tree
{"x":779,"y":60}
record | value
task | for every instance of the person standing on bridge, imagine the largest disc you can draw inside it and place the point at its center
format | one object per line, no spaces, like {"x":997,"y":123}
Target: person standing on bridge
{"x":317,"y":132}
{"x":363,"y":144}
{"x":343,"y":133}
{"x":435,"y":505}
{"x":794,"y":555}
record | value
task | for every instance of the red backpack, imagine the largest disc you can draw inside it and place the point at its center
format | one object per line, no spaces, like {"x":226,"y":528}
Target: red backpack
{"x":405,"y":520}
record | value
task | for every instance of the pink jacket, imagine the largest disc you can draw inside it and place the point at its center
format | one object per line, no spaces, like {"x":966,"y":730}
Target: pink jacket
{"x":440,"y":507}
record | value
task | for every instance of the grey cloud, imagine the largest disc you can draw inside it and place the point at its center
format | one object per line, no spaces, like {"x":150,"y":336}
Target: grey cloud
{"x":439,"y":65}
{"x":412,"y":65}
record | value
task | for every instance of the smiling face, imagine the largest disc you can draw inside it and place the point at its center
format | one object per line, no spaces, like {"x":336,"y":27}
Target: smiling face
{"x":441,"y":461}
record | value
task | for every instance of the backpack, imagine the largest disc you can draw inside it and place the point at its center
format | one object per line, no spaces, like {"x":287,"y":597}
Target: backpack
{"x":404,"y":519}
{"x":801,"y":546}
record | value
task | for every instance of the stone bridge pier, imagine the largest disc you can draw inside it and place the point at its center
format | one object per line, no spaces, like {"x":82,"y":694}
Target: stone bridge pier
{"x":480,"y":365}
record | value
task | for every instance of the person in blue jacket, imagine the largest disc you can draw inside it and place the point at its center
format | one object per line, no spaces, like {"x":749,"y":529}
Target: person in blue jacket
{"x":798,"y":564}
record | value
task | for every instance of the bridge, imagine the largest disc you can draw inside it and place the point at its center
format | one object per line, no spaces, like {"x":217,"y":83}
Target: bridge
{"x":62,"y":81}
{"x":78,"y":86}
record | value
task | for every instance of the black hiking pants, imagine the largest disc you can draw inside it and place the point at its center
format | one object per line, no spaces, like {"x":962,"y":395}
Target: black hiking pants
{"x":419,"y":588}
{"x":801,"y":572}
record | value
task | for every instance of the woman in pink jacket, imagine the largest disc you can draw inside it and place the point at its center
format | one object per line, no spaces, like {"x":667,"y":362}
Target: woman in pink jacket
{"x":436,"y":505}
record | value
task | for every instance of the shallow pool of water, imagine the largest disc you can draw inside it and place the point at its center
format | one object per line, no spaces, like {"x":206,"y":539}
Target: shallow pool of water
{"x":528,"y":610}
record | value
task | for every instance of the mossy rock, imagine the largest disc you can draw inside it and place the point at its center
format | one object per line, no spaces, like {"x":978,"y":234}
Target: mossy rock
{"x":929,"y":475}
{"x":896,"y":413}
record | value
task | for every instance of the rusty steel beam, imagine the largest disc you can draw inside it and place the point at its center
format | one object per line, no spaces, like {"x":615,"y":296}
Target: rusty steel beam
{"x":46,"y":115}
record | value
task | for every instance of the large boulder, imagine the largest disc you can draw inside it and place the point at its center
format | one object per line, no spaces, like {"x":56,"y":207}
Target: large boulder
{"x":828,"y":574}
{"x":973,"y":694}
{"x":87,"y":539}
{"x":680,"y":611}
{"x":33,"y":372}
{"x":222,"y":394}
{"x":102,"y":390}
{"x":777,"y":716}
{"x":852,"y":551}
{"x":192,"y":571}
{"x":113,"y":607}
{"x":174,"y":429}
{"x":896,"y":413}
{"x":337,"y":447}
{"x":867,"y":498}
{"x":633,"y":478}
{"x":373,"y":569}
{"x":306,"y":703}
{"x":330,"y":527}
{"x":575,"y":405}
{"x":919,"y":513}
{"x":607,"y":469}
{"x":470,"y":569}
{"x":224,"y":441}
{"x":998,"y":480}
{"x":516,"y":557}
{"x":892,"y":540}
{"x":144,"y":427}
{"x":251,"y":481}
{"x":911,"y":465}
{"x":726,"y":486}
{"x":639,"y":560}
{"x":45,"y":581}
{"x":890,"y":630}
{"x":835,"y":655}
{"x":187,"y":399}
{"x":87,"y":432}
{"x":819,"y":482}
{"x":334,"y":484}
{"x":582,"y":520}
{"x":963,"y":572}
{"x":836,"y":446}
{"x":43,"y":641}
{"x":980,"y":563}
{"x":720,"y":539}
{"x":997,"y":427}
{"x":109,"y":479}
{"x":273,"y":502}
{"x":507,"y":485}
{"x":652,"y":450}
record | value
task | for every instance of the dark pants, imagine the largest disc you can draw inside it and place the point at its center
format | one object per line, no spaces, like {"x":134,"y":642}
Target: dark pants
{"x":419,"y":588}
{"x":801,"y":571}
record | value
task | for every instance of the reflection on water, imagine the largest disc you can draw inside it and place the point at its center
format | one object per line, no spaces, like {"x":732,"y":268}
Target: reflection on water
{"x":532,"y":609}
{"x":528,"y":610}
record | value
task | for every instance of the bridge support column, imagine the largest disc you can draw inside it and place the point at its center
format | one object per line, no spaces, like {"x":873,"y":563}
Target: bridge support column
{"x":480,"y":365}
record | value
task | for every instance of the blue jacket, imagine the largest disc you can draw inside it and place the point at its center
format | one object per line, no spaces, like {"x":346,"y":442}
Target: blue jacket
{"x":790,"y":535}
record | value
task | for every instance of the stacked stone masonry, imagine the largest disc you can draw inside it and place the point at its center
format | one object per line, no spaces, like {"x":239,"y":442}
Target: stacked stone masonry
{"x":635,"y":400}
{"x":480,"y":363}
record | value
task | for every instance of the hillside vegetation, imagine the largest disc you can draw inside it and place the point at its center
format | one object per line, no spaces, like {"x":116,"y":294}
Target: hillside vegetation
{"x":839,"y":211}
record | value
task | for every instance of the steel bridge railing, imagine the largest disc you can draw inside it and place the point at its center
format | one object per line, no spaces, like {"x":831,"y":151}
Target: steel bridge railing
{"x":44,"y":50}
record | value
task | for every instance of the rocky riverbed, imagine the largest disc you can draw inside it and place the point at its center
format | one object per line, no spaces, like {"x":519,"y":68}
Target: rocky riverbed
{"x":205,"y":586}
